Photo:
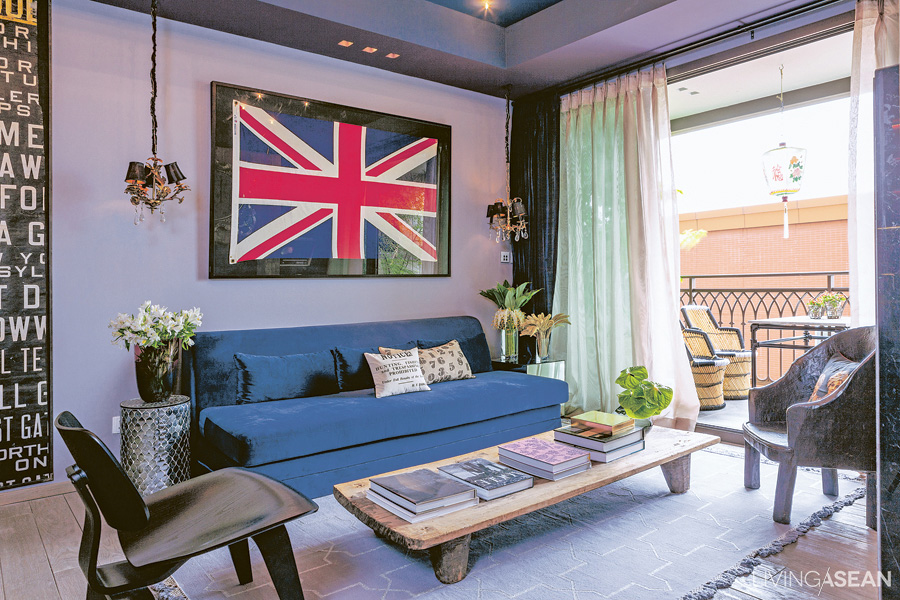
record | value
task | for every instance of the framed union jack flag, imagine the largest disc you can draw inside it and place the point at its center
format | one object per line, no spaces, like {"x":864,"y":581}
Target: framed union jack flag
{"x":302,"y":188}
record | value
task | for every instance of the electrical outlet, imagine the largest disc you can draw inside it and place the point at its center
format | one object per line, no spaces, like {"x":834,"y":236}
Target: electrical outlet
{"x":115,"y":424}
{"x":506,"y":257}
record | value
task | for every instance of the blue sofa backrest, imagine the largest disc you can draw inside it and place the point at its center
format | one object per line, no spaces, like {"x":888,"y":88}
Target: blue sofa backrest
{"x":212,"y":377}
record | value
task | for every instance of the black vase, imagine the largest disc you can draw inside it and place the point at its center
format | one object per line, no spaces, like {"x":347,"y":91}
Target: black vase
{"x":154,"y":370}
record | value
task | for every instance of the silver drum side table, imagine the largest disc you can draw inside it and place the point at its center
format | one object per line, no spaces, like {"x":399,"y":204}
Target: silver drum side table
{"x":155,"y":449}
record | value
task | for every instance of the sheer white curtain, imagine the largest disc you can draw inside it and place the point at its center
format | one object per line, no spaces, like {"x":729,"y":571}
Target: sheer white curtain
{"x":876,"y":44}
{"x":618,"y":266}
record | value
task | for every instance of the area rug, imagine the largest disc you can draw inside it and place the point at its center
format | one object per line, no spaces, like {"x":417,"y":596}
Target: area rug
{"x":630,"y":540}
{"x":168,"y":590}
{"x":724,"y":580}
{"x":738,"y":452}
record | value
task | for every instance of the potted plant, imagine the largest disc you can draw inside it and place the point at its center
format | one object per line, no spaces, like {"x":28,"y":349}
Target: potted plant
{"x":158,"y":336}
{"x":641,"y":398}
{"x":815,"y":308}
{"x":539,"y":327}
{"x":509,"y":316}
{"x":834,"y":305}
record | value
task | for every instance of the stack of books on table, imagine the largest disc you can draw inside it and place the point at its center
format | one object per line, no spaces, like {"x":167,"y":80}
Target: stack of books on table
{"x":489,"y":479}
{"x":420,"y":494}
{"x":543,"y":458}
{"x":607,"y":440}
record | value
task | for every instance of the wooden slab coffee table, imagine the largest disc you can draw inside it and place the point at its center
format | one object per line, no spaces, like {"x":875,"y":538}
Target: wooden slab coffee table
{"x":447,"y":537}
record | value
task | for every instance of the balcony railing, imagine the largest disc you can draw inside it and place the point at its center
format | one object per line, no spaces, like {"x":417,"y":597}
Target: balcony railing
{"x":734,"y":302}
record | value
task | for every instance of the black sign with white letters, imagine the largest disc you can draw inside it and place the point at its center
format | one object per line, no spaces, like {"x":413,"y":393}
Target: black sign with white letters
{"x":25,"y":408}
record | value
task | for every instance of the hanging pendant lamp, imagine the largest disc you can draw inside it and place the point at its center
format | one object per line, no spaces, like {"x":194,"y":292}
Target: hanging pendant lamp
{"x":507,"y":216}
{"x":147,"y":185}
{"x":783,"y":166}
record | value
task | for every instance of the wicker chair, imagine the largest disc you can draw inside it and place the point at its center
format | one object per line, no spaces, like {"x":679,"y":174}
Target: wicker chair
{"x":707,"y":368}
{"x":728,"y":342}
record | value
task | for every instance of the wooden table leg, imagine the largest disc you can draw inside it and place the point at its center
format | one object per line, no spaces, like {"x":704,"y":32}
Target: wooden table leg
{"x":678,"y":474}
{"x":451,"y":559}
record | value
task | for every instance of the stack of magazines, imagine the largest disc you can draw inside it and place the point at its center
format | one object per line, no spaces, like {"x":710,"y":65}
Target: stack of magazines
{"x":420,"y":494}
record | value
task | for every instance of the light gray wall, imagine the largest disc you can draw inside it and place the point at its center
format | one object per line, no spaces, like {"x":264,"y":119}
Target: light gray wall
{"x":103,"y":264}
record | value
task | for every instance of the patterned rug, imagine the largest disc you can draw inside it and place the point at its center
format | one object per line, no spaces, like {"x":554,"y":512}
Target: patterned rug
{"x":630,"y":540}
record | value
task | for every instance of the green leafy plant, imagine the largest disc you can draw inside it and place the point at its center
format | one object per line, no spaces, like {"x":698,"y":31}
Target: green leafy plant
{"x":508,"y":296}
{"x":642,"y":398}
{"x":814,"y":303}
{"x":832,"y":300}
{"x":509,"y":300}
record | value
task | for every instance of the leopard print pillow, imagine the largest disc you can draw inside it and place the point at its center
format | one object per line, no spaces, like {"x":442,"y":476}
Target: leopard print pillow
{"x":441,"y":363}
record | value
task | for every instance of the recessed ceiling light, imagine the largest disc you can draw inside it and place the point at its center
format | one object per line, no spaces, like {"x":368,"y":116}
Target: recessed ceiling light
{"x":682,"y":89}
{"x":370,"y":49}
{"x":393,"y":55}
{"x":694,"y":93}
{"x":345,"y":43}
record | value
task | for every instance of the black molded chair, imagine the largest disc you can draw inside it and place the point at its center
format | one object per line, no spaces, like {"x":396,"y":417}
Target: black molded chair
{"x":160,"y":532}
{"x":837,"y":431}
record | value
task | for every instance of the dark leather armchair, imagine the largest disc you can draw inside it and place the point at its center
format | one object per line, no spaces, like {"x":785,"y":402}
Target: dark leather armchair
{"x":837,"y":431}
{"x":160,"y":532}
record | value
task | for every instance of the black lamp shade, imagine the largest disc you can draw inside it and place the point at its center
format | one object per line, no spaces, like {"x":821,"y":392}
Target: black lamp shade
{"x":135,"y":173}
{"x":490,"y":211}
{"x":518,"y":209}
{"x":174,"y":174}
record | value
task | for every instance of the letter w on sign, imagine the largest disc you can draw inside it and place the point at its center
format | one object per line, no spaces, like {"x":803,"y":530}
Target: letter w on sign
{"x":308,"y":188}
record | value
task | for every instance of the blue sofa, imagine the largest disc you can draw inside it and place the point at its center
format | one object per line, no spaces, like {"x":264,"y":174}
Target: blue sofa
{"x":311,"y":443}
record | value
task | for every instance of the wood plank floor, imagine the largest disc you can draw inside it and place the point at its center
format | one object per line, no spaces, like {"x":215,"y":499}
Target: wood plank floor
{"x":39,"y":539}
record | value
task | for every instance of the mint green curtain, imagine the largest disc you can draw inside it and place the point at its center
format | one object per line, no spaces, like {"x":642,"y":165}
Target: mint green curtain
{"x":618,"y":261}
{"x":592,"y":282}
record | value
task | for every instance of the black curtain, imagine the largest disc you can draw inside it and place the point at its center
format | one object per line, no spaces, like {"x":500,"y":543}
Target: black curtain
{"x":534,"y":177}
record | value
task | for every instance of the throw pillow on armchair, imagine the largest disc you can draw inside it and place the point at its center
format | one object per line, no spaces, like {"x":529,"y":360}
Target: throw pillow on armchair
{"x":836,"y":372}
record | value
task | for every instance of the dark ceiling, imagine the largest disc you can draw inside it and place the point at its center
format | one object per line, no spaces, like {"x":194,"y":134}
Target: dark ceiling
{"x":566,"y":40}
{"x":501,"y":12}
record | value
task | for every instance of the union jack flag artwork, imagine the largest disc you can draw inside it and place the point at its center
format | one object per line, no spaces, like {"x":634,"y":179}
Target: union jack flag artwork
{"x":311,"y":184}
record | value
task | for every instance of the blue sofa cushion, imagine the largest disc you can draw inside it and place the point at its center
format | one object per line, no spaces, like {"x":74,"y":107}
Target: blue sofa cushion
{"x":212,"y":378}
{"x":275,"y":431}
{"x":353,"y":371}
{"x":475,"y":348}
{"x":265,"y":378}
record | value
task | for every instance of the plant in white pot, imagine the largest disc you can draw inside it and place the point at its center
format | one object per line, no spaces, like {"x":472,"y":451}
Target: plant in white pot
{"x":641,"y":398}
{"x":158,"y":336}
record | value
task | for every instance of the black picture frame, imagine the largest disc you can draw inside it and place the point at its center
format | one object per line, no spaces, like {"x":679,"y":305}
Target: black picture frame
{"x":322,"y":190}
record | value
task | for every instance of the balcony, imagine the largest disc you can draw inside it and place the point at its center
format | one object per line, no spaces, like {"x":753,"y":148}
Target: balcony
{"x":737,"y":299}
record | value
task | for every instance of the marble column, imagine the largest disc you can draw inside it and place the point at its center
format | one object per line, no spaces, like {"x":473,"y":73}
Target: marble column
{"x":887,"y":251}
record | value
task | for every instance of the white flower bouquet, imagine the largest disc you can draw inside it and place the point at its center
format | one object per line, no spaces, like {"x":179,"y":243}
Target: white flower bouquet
{"x":158,"y":337}
{"x":154,"y":326}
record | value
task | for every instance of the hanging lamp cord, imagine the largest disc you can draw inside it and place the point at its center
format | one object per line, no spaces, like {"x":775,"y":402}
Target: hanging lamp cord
{"x":507,"y":143}
{"x":154,"y":8}
{"x":780,"y":99}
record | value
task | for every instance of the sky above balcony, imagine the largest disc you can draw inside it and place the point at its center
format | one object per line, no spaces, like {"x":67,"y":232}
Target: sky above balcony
{"x":721,"y":166}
